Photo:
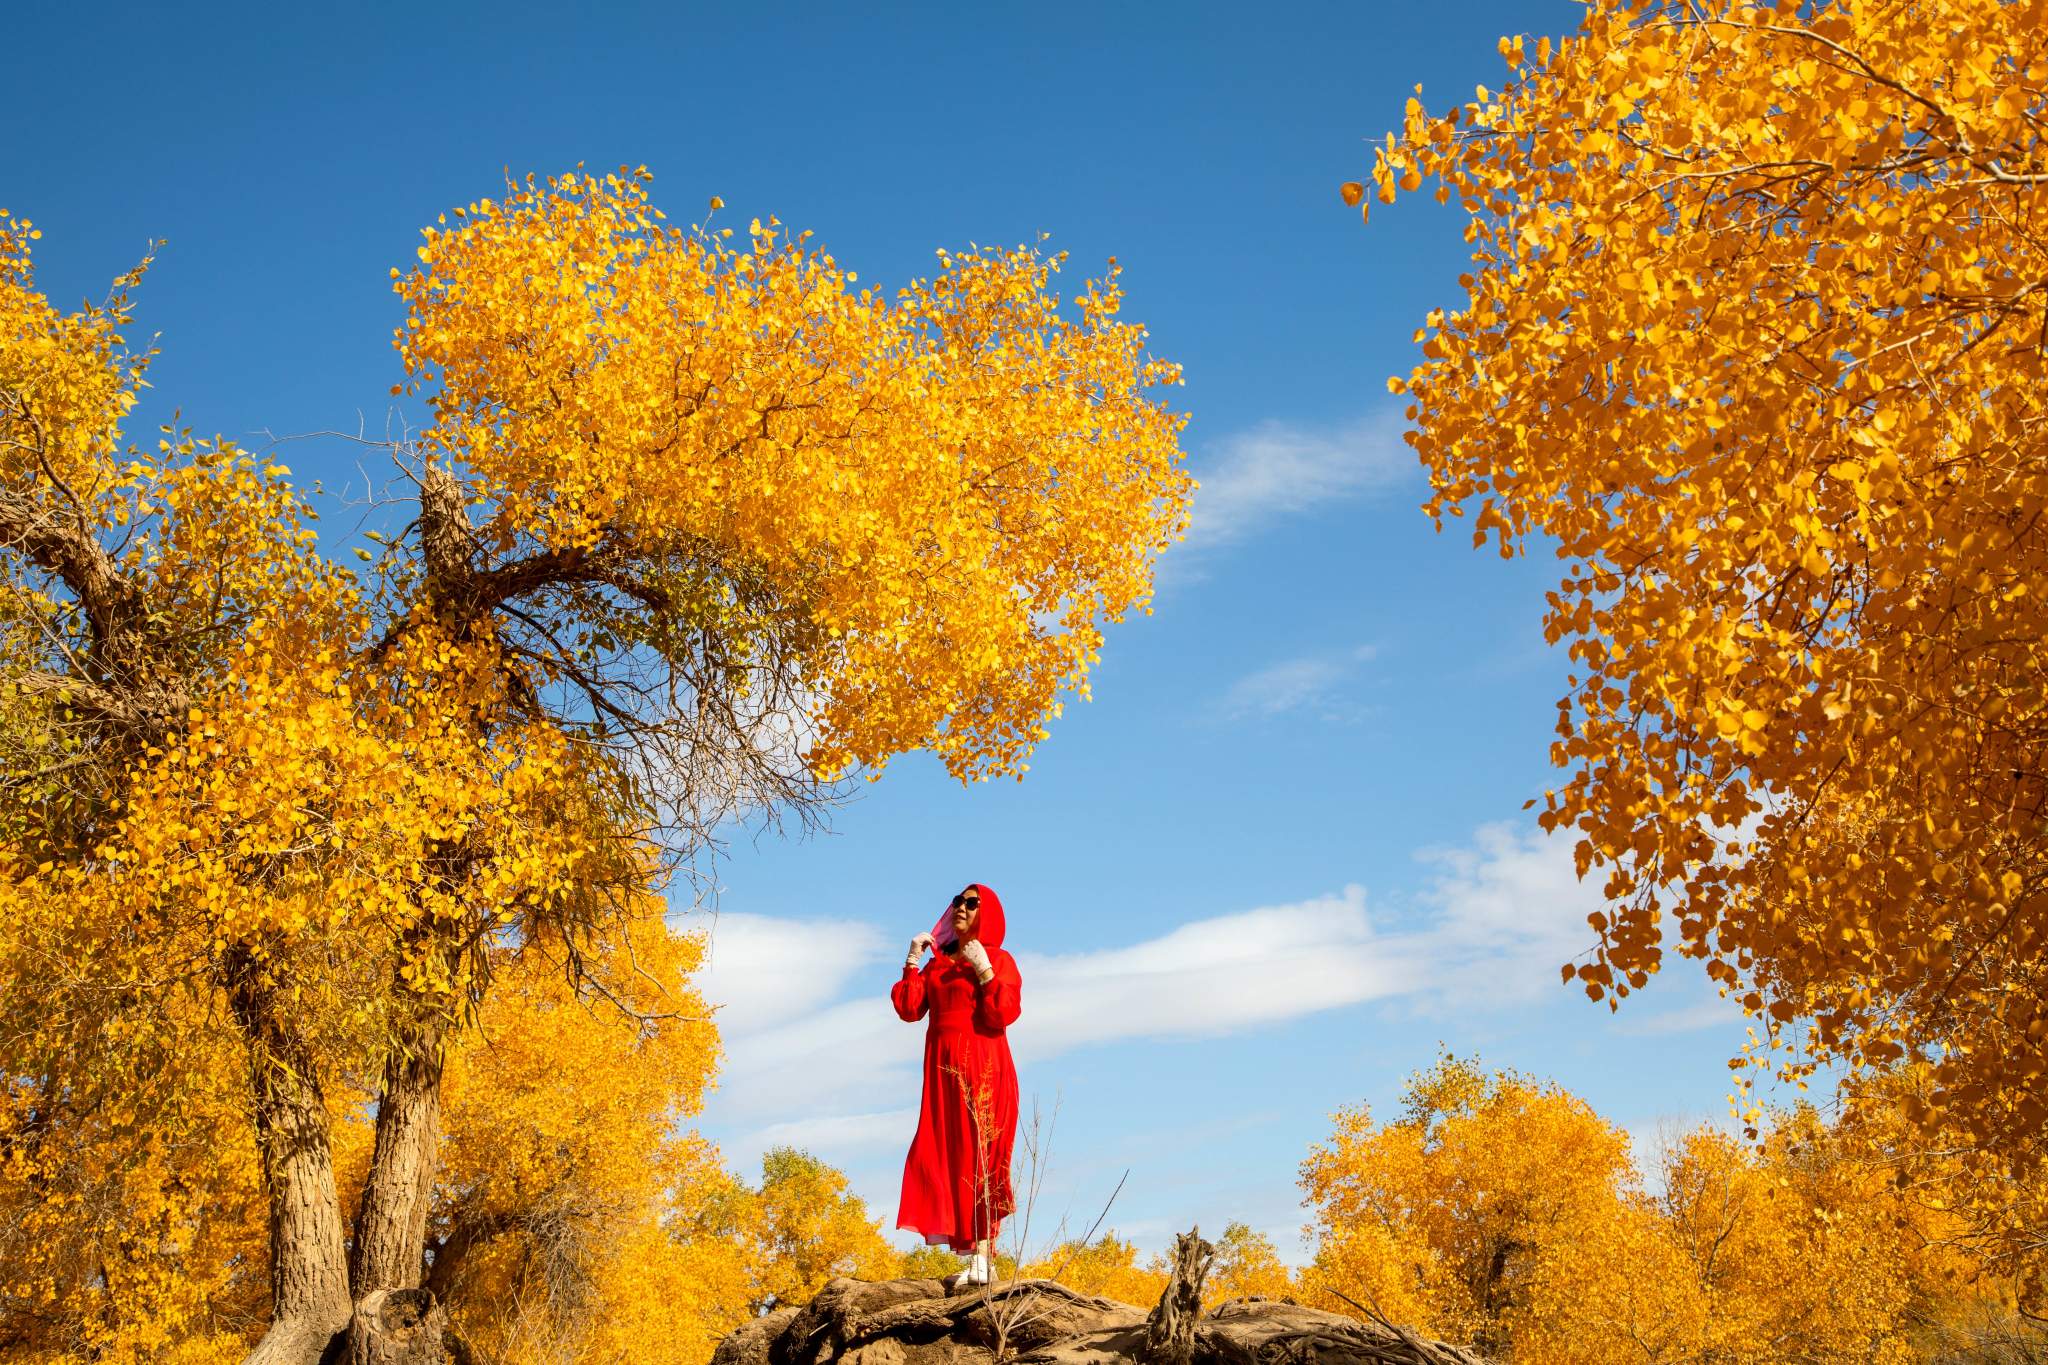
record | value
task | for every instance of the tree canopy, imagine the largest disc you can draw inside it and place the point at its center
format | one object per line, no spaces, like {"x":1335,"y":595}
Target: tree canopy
{"x":1753,"y":339}
{"x":1503,"y":1213}
{"x":701,"y":532}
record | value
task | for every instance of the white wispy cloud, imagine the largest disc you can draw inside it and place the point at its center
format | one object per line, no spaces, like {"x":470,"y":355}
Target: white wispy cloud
{"x":1281,"y":687}
{"x":766,"y":971}
{"x":1489,"y":928}
{"x":1252,"y":478}
{"x":1290,"y":685}
{"x":1509,"y":908}
{"x":1210,"y":977}
{"x":1706,"y":1014}
{"x":840,"y":1132}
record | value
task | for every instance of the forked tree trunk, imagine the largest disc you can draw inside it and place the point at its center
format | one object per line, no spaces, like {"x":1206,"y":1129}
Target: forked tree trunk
{"x":391,"y":1226}
{"x":310,"y":1302}
{"x":391,"y":1233}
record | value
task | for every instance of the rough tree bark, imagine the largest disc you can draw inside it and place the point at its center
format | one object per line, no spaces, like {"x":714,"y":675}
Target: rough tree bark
{"x":310,"y":1302}
{"x":398,"y":1327}
{"x":1170,"y":1337}
{"x":391,"y":1231}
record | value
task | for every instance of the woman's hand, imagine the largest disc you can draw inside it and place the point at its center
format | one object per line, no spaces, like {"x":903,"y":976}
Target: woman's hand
{"x":976,"y":956}
{"x":919,"y":946}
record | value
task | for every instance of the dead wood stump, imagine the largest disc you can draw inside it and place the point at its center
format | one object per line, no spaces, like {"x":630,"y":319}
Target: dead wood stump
{"x":400,"y":1327}
{"x":1170,"y":1334}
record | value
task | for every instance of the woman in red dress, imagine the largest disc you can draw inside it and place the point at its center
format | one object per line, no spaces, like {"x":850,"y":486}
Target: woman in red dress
{"x":956,"y":1181}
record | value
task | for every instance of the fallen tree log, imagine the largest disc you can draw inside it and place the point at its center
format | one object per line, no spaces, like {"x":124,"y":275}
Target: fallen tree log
{"x":1040,"y":1322}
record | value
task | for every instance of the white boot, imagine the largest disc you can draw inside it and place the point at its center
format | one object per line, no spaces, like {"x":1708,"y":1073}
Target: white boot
{"x":977,"y":1270}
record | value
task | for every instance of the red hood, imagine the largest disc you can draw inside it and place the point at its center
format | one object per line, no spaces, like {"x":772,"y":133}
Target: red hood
{"x":991,"y":931}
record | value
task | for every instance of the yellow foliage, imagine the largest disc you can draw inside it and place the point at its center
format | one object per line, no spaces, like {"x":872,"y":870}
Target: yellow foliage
{"x":1107,"y":1266}
{"x":801,"y":1228}
{"x":1753,"y":340}
{"x":565,"y":1151}
{"x":950,"y":489}
{"x":929,"y":1263}
{"x":117,"y":1250}
{"x":1438,"y":1216}
{"x":1247,"y":1263}
{"x":575,"y":1217}
{"x":272,"y":827}
{"x":1509,"y":1217}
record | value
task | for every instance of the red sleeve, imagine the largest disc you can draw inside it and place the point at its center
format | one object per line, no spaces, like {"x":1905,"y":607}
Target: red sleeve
{"x":999,"y":1000}
{"x":908,"y":996}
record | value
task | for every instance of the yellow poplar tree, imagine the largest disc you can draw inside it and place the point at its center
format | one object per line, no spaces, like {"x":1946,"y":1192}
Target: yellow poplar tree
{"x":800,"y":1229}
{"x":1436,"y":1219}
{"x":701,"y":530}
{"x":567,"y":1153}
{"x":1509,"y":1216}
{"x":1247,"y":1263}
{"x":1753,"y":339}
{"x":167,"y":760}
{"x":567,"y":1216}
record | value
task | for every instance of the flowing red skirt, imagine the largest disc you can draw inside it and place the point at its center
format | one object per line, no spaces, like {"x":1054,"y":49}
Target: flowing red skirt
{"x":956,"y":1180}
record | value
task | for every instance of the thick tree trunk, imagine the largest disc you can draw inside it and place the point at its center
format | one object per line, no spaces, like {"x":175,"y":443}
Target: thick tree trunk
{"x":391,"y":1233}
{"x":391,"y":1226}
{"x":310,"y":1303}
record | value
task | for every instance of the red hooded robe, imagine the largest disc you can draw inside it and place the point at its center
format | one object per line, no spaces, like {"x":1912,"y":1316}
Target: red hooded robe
{"x":956,"y":1181}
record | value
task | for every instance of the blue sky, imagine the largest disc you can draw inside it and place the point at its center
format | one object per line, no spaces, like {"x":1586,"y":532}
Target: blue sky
{"x":1281,"y":855}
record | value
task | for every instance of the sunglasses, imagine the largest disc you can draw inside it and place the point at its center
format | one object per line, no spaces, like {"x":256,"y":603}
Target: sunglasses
{"x":971,"y":902}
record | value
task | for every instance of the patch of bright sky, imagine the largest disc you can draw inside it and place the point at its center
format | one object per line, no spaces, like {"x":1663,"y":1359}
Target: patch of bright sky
{"x":1280,"y":856}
